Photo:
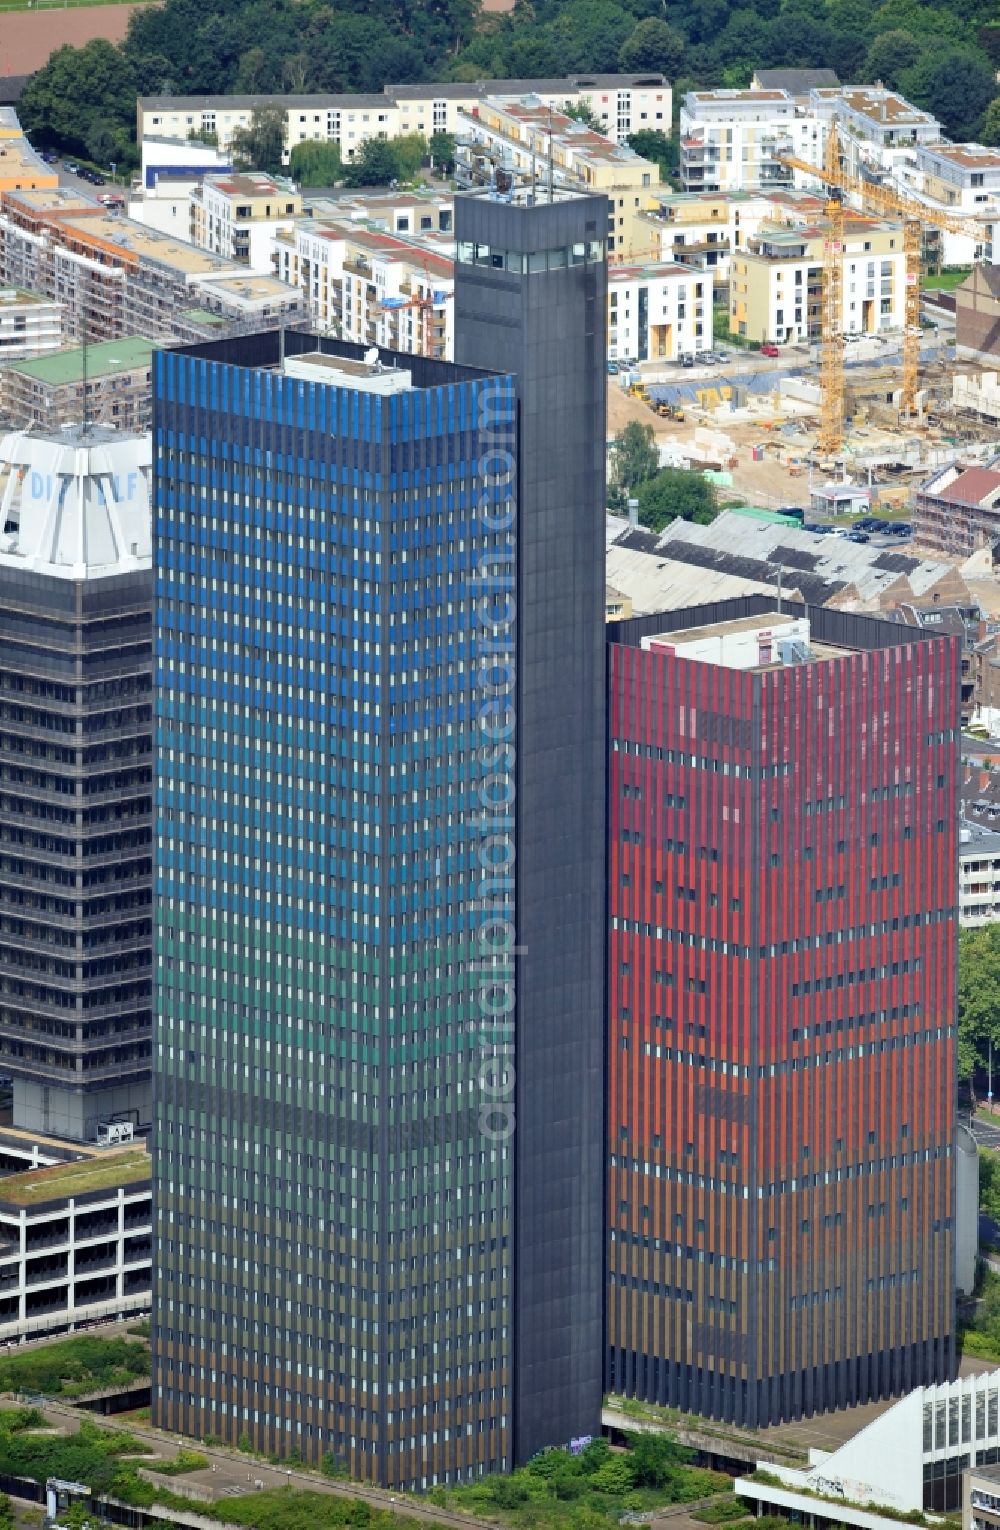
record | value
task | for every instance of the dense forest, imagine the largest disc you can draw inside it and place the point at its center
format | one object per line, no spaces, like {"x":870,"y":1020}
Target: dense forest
{"x":943,"y":54}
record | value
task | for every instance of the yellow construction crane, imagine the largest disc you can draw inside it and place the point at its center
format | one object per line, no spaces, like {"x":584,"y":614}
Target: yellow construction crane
{"x":831,"y":366}
{"x":885,"y":202}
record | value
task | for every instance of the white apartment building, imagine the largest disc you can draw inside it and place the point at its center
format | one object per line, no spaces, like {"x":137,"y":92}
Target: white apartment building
{"x":658,"y":310}
{"x":880,"y":131}
{"x":29,"y":325}
{"x":963,"y":179}
{"x":367,"y":286}
{"x":622,"y":103}
{"x":703,"y":229}
{"x":732,"y":140}
{"x":775,"y":288}
{"x":237,"y":216}
{"x":979,"y":875}
{"x":417,"y":214}
{"x":536,"y":145}
{"x":171,"y":169}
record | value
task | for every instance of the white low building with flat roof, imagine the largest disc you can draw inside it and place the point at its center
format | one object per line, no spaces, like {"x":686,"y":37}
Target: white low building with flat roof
{"x":908,"y":1460}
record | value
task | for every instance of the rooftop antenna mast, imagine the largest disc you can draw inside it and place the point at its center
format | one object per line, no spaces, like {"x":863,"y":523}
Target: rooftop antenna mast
{"x":86,"y":391}
{"x":551,"y":167}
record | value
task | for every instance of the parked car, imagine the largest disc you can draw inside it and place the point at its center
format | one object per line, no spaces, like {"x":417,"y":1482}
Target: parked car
{"x":721,"y":355}
{"x":49,"y":158}
{"x":858,"y":536}
{"x":687,"y":360}
{"x":770,"y":349}
{"x":612,"y":365}
{"x":71,"y":168}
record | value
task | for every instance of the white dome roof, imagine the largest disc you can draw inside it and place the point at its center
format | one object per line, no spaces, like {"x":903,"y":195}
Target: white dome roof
{"x":76,"y":504}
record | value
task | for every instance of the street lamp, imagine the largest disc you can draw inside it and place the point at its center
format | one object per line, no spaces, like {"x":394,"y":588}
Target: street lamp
{"x":989,"y":1095}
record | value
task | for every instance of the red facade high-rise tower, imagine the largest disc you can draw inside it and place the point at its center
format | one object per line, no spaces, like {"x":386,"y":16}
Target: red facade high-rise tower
{"x":782,"y":969}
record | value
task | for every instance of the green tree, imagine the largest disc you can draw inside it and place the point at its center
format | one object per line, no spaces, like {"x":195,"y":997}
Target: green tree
{"x":76,"y":1517}
{"x":890,"y":56}
{"x":441,"y":149}
{"x":635,"y":456}
{"x":580,"y":112}
{"x":956,"y":85}
{"x":676,"y":494}
{"x":78,"y":91}
{"x":316,"y":162}
{"x":989,"y":131}
{"x":653,"y":144}
{"x":978,"y":1000}
{"x":410,"y":151}
{"x":653,"y":45}
{"x":655,"y":1457}
{"x":616,"y":1476}
{"x":374,"y":164}
{"x":6,"y":1513}
{"x":260,"y":145}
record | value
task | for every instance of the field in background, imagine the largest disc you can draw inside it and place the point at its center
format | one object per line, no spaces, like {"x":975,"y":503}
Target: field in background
{"x":28,"y":36}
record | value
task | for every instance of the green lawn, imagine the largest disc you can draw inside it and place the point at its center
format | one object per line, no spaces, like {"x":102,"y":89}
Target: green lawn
{"x":945,"y":281}
{"x":34,"y":1186}
{"x":72,"y":1367}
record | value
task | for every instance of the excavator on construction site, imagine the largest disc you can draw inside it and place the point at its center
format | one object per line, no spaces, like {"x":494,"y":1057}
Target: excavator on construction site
{"x":883,"y":201}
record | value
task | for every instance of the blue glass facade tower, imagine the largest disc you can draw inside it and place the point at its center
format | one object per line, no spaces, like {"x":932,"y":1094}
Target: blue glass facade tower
{"x":333,"y":1208}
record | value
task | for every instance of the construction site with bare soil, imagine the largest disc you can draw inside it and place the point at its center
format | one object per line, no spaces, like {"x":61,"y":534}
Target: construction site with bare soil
{"x":759,"y":431}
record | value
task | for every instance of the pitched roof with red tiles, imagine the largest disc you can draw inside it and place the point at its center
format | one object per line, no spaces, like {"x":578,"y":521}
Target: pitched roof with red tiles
{"x":973,"y":486}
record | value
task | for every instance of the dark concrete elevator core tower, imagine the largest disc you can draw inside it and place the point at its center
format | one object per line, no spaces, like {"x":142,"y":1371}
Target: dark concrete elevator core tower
{"x":530,"y":300}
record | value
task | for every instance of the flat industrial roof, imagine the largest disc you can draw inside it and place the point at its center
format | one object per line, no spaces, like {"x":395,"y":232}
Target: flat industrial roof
{"x":66,"y":366}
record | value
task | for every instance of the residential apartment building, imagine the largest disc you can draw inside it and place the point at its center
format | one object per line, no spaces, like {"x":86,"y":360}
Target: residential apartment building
{"x":782,"y":965}
{"x":420,"y":213}
{"x":364,"y":285}
{"x":29,"y":325}
{"x":978,"y":875}
{"x":958,"y":508}
{"x":775,"y":290}
{"x":658,"y":310}
{"x":538,"y":148}
{"x":76,"y":778}
{"x":110,"y":386}
{"x":21,"y":169}
{"x":702,"y":229}
{"x":963,"y":178}
{"x":357,"y":910}
{"x":115,"y":277}
{"x":621,"y":103}
{"x":237,"y":216}
{"x":170,"y":171}
{"x":75,"y":1242}
{"x":733,"y":140}
{"x":880,"y":131}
